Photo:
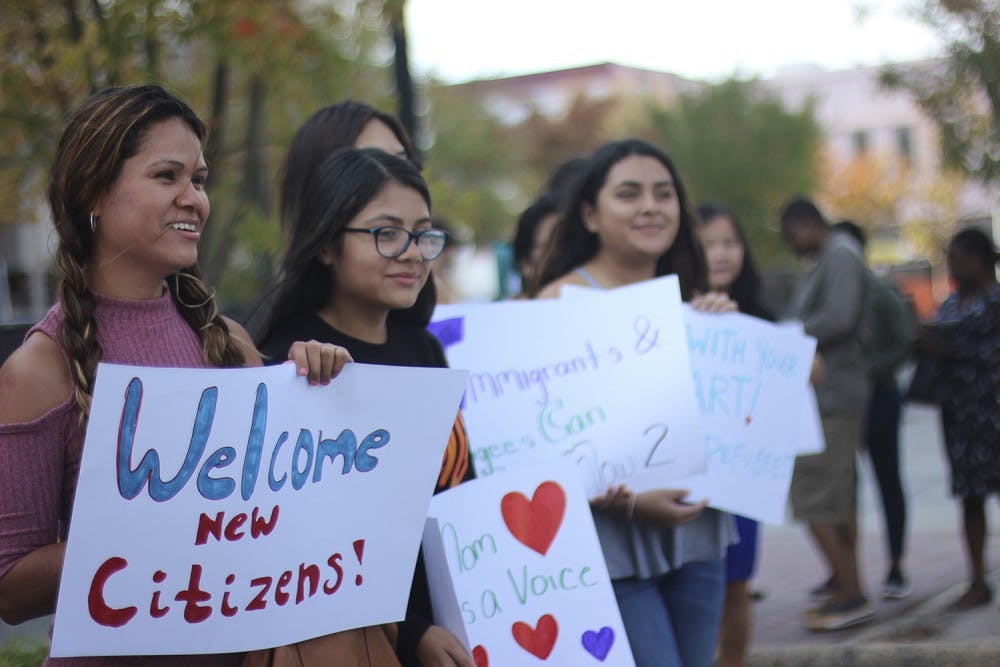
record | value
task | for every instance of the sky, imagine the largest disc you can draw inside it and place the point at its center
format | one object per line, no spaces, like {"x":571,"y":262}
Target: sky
{"x":461,"y":40}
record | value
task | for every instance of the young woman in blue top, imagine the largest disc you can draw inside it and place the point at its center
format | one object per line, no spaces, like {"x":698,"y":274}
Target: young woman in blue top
{"x":731,"y":271}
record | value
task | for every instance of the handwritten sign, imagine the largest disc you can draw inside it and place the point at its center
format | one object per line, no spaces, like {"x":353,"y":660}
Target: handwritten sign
{"x":230,"y":510}
{"x":758,"y":410}
{"x":516,"y":571}
{"x":752,"y":381}
{"x":606,"y":385}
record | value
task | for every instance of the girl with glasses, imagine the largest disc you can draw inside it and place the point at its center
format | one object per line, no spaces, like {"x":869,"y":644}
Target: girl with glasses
{"x":357,"y":273}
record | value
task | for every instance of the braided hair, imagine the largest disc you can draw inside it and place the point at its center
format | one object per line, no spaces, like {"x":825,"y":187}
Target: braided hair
{"x":104,"y":132}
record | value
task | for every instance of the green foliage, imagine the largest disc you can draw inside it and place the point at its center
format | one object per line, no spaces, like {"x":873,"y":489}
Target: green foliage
{"x":483,"y":172}
{"x":736,"y":144}
{"x":254,"y":70}
{"x":17,"y":654}
{"x":962,"y":91}
{"x":471,"y":165}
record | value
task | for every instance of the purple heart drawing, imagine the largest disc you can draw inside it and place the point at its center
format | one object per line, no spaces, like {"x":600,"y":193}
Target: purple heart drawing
{"x":448,"y":332}
{"x":598,"y":644}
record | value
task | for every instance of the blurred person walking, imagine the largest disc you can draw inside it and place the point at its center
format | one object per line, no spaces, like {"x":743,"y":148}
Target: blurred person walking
{"x":830,"y":303}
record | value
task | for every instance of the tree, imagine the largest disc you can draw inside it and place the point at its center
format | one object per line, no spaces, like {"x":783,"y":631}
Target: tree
{"x":471,"y":164}
{"x":882,"y":194}
{"x":962,"y":91}
{"x":231,"y":61}
{"x":735,"y":143}
{"x":866,"y":189}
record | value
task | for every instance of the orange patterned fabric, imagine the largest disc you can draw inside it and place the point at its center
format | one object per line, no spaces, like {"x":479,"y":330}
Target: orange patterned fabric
{"x":456,"y":457}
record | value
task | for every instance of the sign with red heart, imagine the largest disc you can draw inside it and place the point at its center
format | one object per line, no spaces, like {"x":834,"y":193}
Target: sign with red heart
{"x":538,"y":640}
{"x":534,"y":523}
{"x":516,"y":572}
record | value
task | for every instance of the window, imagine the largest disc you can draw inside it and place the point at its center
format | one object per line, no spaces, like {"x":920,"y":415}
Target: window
{"x":860,"y":139}
{"x":904,"y":144}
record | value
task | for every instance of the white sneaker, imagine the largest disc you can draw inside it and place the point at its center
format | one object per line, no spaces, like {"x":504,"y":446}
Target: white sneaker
{"x":831,"y":617}
{"x":896,"y":588}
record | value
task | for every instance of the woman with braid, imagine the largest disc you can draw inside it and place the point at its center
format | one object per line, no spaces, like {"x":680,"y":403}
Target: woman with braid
{"x":127,"y":195}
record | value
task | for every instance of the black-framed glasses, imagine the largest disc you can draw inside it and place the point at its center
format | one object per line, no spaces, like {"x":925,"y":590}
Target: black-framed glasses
{"x":392,"y":241}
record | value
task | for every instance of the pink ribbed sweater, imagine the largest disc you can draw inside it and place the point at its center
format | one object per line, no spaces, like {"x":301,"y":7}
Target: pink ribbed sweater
{"x":40,"y":460}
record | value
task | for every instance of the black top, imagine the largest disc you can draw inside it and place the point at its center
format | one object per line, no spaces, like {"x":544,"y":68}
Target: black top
{"x":407,"y":344}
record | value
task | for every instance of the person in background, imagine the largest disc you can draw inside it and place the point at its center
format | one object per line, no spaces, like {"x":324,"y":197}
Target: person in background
{"x":889,"y":338}
{"x":127,"y":196}
{"x":535,"y":224}
{"x":562,"y":179}
{"x":830,"y":303}
{"x":965,"y":337}
{"x":357,"y":273}
{"x":339,"y":125}
{"x":445,"y":265}
{"x":534,"y":228}
{"x":731,"y":271}
{"x":628,"y":220}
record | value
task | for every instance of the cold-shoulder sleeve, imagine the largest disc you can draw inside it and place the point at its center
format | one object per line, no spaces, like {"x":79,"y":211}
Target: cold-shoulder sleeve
{"x":39,"y":461}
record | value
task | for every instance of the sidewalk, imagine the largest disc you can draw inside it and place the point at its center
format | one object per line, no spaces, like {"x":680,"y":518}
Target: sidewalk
{"x":913,"y":631}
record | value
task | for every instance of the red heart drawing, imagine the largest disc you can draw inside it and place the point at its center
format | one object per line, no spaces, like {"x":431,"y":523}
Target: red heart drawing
{"x":479,"y":656}
{"x":538,"y":640}
{"x":535,"y":523}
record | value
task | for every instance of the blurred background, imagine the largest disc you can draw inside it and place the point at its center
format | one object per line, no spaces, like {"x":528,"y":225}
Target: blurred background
{"x":887,"y":113}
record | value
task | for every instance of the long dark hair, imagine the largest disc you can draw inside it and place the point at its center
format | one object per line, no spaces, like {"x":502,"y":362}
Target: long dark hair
{"x":330,"y":128}
{"x":745,"y":289}
{"x":333,"y":195}
{"x":527,"y":228}
{"x":106,"y":130}
{"x":573,"y":245}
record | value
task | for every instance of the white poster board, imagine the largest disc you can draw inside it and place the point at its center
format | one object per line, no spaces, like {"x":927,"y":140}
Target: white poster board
{"x":757,"y":407}
{"x":231,"y":510}
{"x":605,"y":384}
{"x":752,"y":380}
{"x":517,"y":574}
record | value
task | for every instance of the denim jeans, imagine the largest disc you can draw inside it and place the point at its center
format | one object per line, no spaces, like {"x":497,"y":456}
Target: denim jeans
{"x":673,"y":620}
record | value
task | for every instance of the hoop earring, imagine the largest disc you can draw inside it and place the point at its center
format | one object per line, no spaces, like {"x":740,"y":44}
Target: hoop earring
{"x":93,"y":222}
{"x":177,"y":291}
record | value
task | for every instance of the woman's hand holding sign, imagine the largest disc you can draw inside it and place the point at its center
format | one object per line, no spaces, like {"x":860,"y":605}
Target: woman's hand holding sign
{"x":714,"y":302}
{"x":319,"y":362}
{"x":667,"y":507}
{"x":440,"y":648}
{"x":661,"y":506}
